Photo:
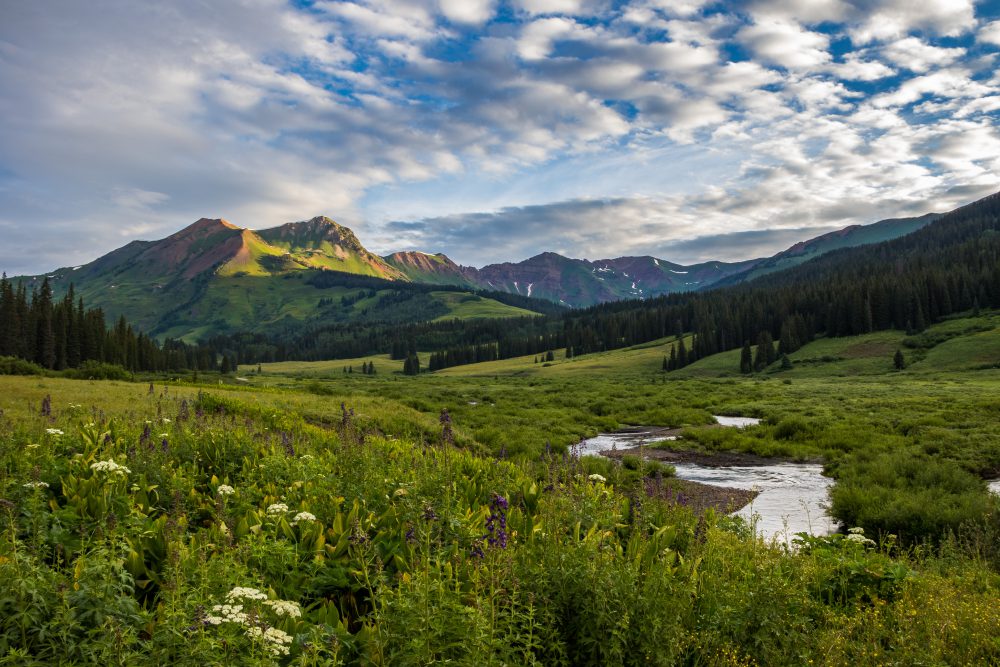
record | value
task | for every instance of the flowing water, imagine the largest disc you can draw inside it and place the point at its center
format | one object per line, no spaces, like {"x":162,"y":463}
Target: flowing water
{"x":994,"y":486}
{"x":792,"y":495}
{"x":791,"y":498}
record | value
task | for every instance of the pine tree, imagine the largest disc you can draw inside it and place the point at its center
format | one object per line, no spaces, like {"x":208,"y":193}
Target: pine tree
{"x":765,"y":351}
{"x":746,"y":358}
{"x":786,"y":363}
{"x":45,"y":337}
{"x":898,"y":360}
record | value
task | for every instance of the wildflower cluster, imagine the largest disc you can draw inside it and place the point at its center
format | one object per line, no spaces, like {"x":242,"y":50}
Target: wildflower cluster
{"x":110,"y":467}
{"x":857,"y":535}
{"x":277,"y":508}
{"x":276,"y":641}
{"x":597,"y":478}
{"x":496,"y":522}
{"x":54,"y":431}
{"x":228,"y":613}
{"x":225,"y":490}
{"x":36,"y":485}
{"x":284,"y":608}
{"x":243,"y":593}
{"x":303,"y":516}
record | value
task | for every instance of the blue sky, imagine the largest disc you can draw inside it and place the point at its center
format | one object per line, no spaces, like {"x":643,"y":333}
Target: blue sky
{"x":491,"y":130}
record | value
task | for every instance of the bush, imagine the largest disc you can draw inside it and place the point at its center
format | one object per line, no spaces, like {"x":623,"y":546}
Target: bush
{"x":15,"y":366}
{"x":95,"y":370}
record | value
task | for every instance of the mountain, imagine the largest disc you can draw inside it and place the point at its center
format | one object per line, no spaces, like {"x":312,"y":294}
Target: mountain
{"x":848,"y":237}
{"x":213,"y":277}
{"x":580,"y":283}
{"x":321,"y":243}
{"x":430,"y":269}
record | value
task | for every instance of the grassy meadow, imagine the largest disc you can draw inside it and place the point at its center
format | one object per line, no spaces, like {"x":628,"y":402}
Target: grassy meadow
{"x":306,"y":516}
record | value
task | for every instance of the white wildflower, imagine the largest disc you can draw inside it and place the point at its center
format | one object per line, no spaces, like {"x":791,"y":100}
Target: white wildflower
{"x":36,"y":485}
{"x":33,"y":445}
{"x":53,"y":431}
{"x":857,"y":530}
{"x":284,"y":608}
{"x":213,"y":620}
{"x":166,"y":420}
{"x":859,"y":538}
{"x":303,"y":516}
{"x":277,"y":508}
{"x":277,"y":640}
{"x":241,"y":592}
{"x":225,"y":490}
{"x":230,"y":613}
{"x":109,"y":467}
{"x":597,"y":478}
{"x":307,"y":457}
{"x":164,"y":435}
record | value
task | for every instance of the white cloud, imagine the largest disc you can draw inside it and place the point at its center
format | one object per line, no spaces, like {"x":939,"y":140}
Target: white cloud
{"x":568,"y":7}
{"x":855,"y":69}
{"x":139,"y":118}
{"x":467,"y":11}
{"x":892,"y":19}
{"x":918,"y":56}
{"x":814,"y":11}
{"x":989,"y":33}
{"x":786,"y":44}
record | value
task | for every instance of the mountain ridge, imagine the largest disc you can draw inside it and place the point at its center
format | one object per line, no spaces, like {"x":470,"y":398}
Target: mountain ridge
{"x":191,"y":281}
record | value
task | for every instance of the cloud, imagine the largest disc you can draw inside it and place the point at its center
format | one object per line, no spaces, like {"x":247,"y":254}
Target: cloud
{"x":893,"y":19}
{"x":467,"y":11}
{"x":918,"y":56}
{"x":786,"y":44}
{"x":989,"y":33}
{"x":676,"y":120}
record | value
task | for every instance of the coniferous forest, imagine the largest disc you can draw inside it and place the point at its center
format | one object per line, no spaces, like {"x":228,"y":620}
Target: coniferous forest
{"x":63,"y":334}
{"x":950,"y":266}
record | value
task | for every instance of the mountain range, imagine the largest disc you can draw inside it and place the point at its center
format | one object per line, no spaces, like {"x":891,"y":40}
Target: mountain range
{"x":214,"y":277}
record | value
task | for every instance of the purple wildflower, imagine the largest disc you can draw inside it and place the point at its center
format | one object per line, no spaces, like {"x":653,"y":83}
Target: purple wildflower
{"x":496,"y":522}
{"x":477,"y":549}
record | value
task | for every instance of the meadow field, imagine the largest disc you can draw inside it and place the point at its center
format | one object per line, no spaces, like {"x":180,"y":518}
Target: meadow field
{"x":304,"y":515}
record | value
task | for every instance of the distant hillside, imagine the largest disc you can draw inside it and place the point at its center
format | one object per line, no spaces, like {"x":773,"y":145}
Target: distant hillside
{"x":580,"y":283}
{"x":214,"y":278}
{"x":848,"y":237}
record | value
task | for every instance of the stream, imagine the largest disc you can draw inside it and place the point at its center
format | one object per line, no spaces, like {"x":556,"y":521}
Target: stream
{"x":791,"y":496}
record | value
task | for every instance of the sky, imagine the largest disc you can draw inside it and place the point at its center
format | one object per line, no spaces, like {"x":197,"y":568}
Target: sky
{"x":491,"y":130}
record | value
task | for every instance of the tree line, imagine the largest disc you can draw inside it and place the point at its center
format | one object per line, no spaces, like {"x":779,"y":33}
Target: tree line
{"x":59,"y":334}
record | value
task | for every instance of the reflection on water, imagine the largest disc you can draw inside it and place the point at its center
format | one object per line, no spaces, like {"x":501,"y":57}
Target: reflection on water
{"x":608,"y":441}
{"x":792,"y":495}
{"x":738,"y":422}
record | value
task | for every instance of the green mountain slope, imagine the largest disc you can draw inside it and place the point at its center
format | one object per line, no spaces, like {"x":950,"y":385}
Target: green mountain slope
{"x":849,"y":237}
{"x":215,"y":278}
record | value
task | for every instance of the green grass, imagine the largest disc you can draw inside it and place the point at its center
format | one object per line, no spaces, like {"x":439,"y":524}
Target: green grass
{"x":391,"y":565}
{"x":465,"y":306}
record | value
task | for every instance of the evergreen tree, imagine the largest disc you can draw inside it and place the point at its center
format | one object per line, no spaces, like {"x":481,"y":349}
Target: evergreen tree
{"x":786,"y":363}
{"x":765,"y":351}
{"x":898,"y":360}
{"x":746,"y":358}
{"x":550,"y":356}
